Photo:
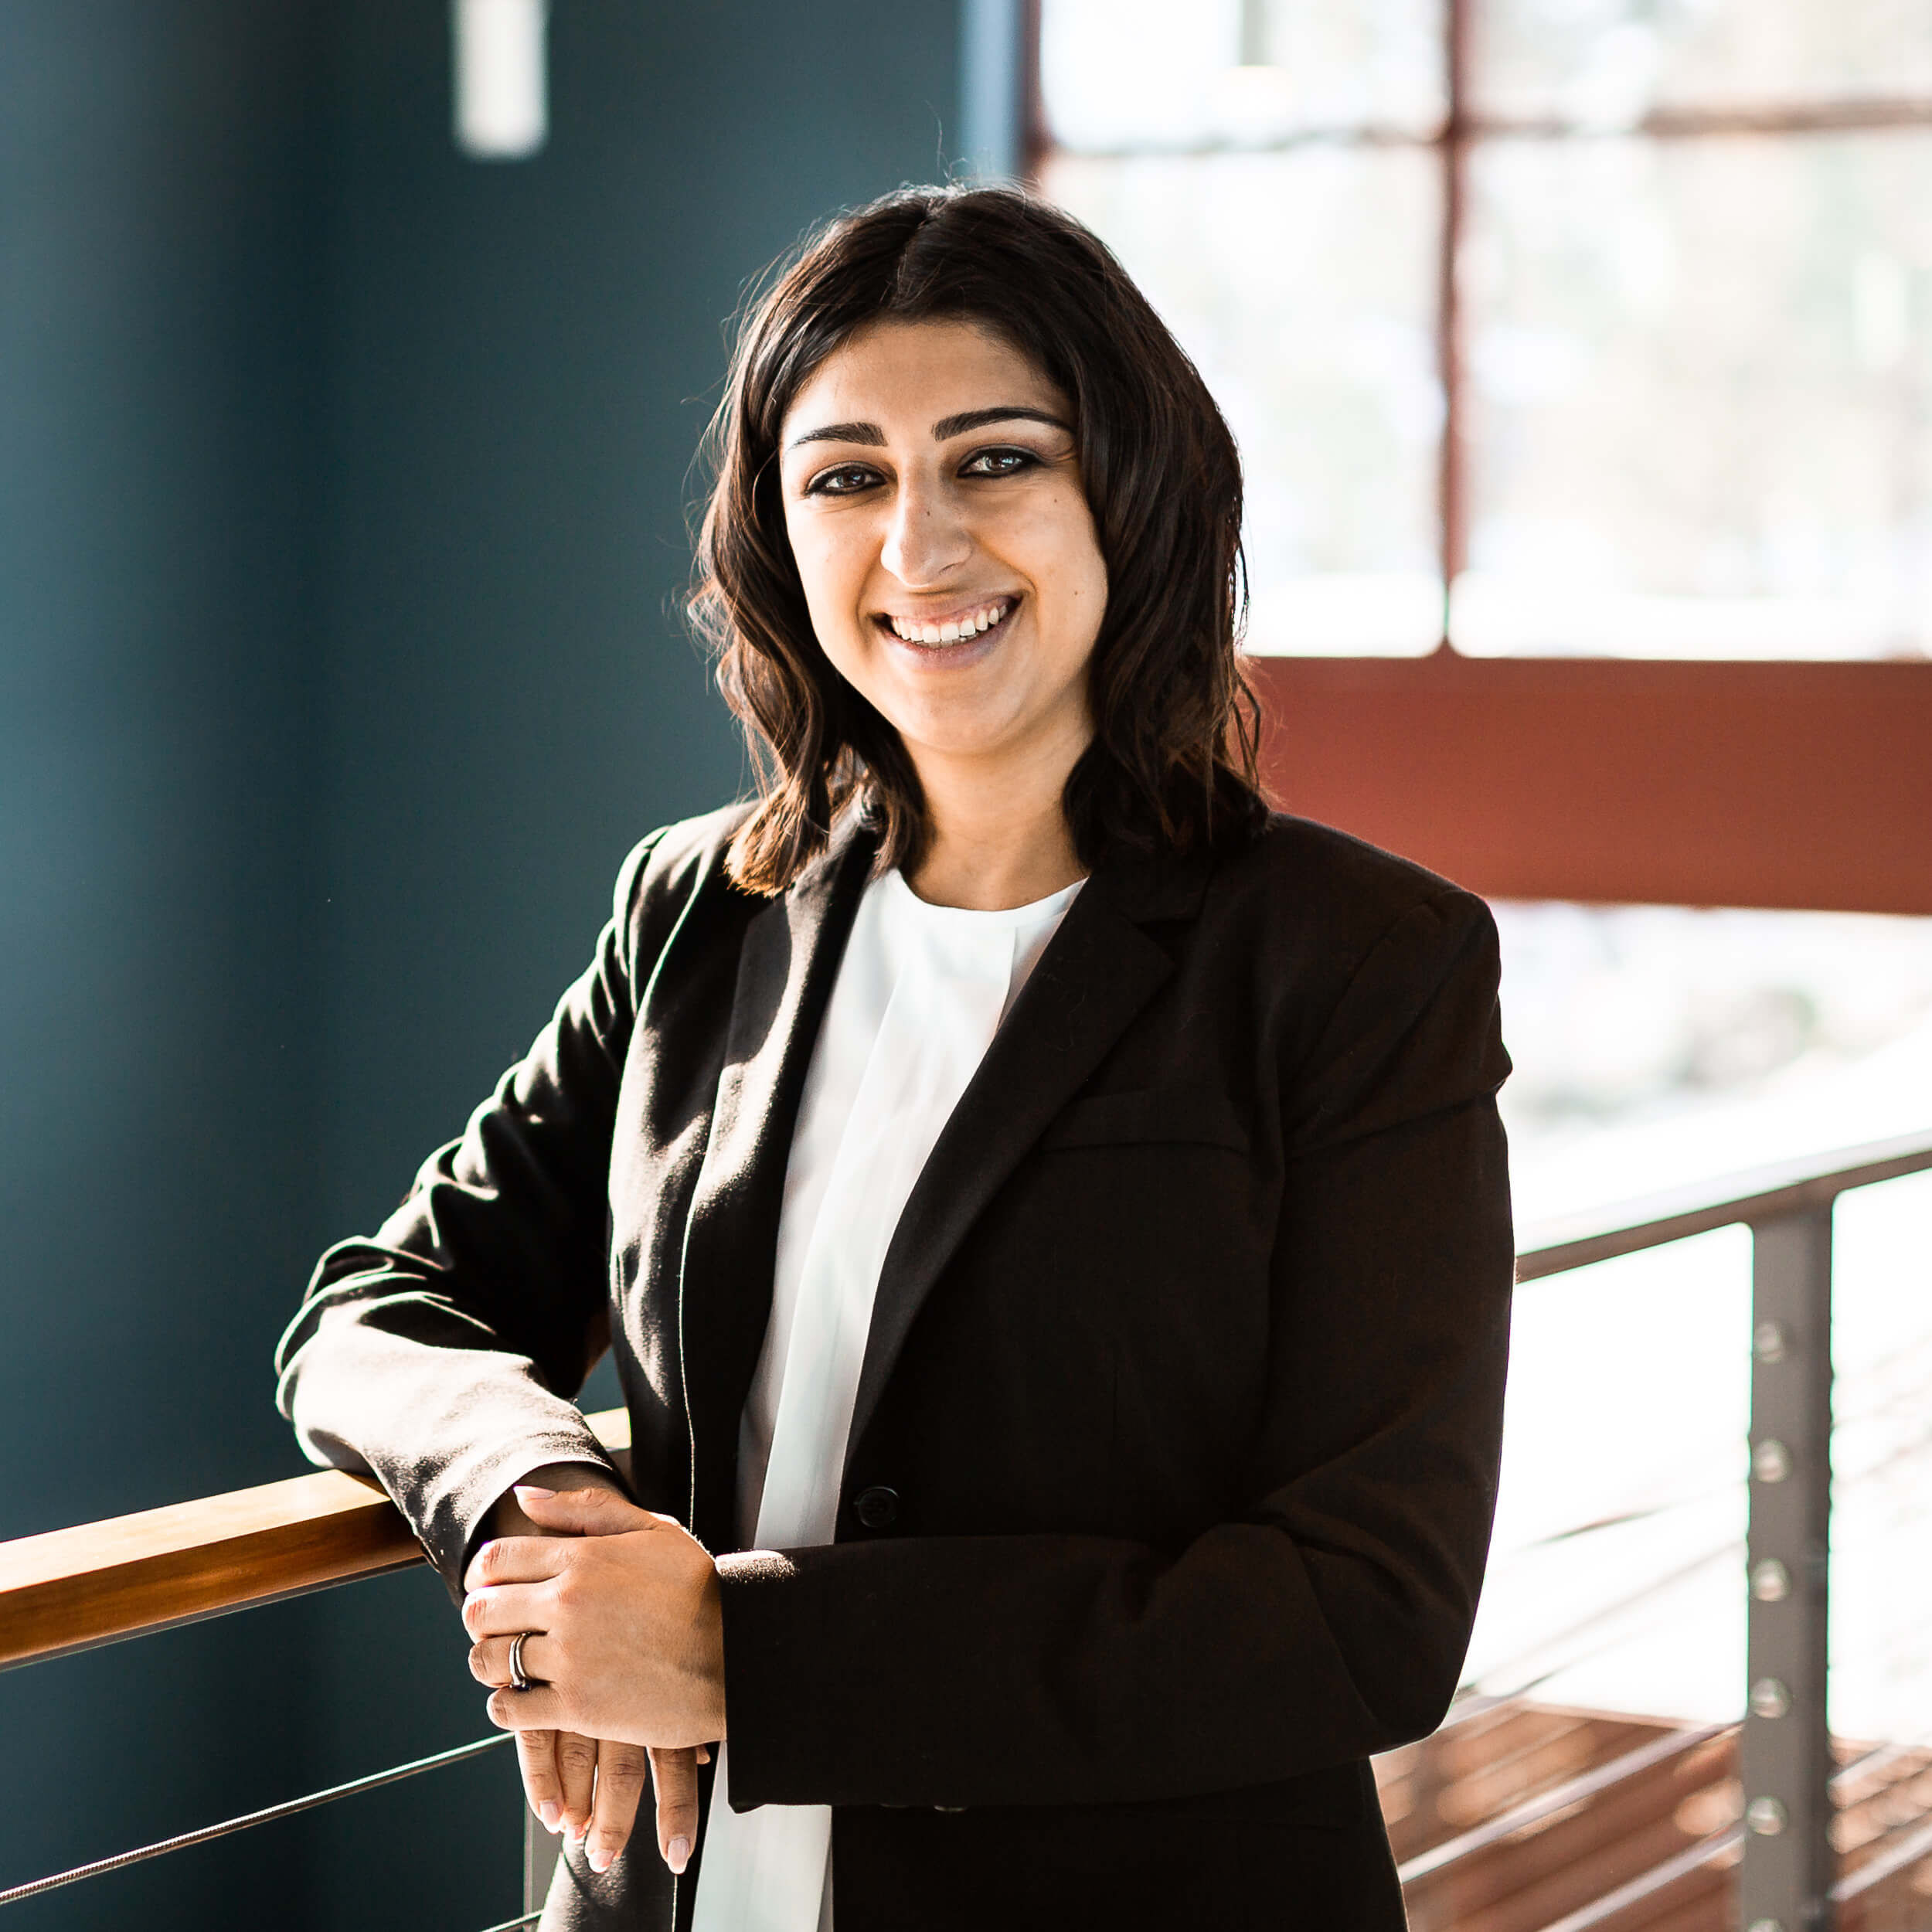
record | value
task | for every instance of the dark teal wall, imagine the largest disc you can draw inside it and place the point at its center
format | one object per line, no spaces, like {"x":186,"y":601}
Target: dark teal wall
{"x":160,"y":348}
{"x":526,"y":353}
{"x":342,"y":495}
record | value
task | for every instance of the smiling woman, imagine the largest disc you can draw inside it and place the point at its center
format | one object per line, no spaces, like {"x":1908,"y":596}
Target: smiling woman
{"x":1050,"y":1214}
{"x":955,"y":582}
{"x":955,"y":402}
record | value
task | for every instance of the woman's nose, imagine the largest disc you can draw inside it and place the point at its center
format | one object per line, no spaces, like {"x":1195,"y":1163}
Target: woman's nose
{"x":926,"y":538}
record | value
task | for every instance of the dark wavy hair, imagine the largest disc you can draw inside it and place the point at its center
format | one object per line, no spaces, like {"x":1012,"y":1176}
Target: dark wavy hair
{"x":1173,"y":760}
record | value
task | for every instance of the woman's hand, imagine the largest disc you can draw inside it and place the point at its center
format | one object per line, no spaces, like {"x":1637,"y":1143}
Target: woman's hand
{"x":625,"y":1643}
{"x":559,"y":1768}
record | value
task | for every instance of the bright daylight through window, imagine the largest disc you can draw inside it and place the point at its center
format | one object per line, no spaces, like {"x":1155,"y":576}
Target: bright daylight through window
{"x":1611,"y":313}
{"x":1616,"y":317}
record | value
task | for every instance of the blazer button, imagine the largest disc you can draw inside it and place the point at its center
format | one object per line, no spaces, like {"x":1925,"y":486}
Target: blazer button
{"x":878,"y":1507}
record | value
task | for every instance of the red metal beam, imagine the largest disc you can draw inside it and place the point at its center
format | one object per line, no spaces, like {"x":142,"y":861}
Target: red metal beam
{"x":1799,"y":785}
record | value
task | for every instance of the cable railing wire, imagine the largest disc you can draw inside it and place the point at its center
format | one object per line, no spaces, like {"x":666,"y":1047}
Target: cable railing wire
{"x":1647,"y":1885}
{"x":1559,"y":1650}
{"x":1903,"y":1846}
{"x":1562,"y":1797}
{"x":289,"y":1807}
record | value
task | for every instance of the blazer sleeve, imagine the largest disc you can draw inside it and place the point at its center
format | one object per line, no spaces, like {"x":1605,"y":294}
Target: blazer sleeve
{"x":1326,"y":1620}
{"x":441,"y":1353}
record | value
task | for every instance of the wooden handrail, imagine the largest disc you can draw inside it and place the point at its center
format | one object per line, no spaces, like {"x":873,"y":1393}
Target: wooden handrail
{"x":70,"y":1590}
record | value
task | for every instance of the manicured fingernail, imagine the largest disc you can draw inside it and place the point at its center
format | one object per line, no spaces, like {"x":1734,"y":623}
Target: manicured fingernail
{"x":677,"y":1852}
{"x":532,"y":1489}
{"x":548,"y":1813}
{"x":600,"y":1859}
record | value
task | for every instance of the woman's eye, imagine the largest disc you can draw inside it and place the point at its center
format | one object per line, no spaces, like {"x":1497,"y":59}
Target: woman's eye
{"x":842,"y":481}
{"x":999,"y":463}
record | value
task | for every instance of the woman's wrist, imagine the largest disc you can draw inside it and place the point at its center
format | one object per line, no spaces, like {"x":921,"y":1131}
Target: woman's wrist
{"x":506,"y":1517}
{"x":708,"y":1661}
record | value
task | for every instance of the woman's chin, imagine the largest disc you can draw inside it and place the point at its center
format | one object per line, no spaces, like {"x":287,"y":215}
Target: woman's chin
{"x":987,"y":729}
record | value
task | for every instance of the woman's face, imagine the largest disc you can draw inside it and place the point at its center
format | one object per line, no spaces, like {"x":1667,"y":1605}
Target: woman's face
{"x":933,"y":500}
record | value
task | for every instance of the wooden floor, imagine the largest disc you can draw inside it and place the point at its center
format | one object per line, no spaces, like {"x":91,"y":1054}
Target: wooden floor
{"x":1526,"y":1818}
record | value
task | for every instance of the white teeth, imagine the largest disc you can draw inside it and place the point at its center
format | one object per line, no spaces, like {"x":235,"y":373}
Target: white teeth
{"x":954,"y":631}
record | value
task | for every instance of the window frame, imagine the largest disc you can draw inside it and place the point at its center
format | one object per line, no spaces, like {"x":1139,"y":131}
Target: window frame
{"x":1800,"y":783}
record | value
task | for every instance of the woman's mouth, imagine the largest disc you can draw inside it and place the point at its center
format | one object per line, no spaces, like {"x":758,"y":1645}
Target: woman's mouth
{"x":969,"y":624}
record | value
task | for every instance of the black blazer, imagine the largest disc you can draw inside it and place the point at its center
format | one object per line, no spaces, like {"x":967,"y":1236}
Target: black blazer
{"x":1178,"y":1429}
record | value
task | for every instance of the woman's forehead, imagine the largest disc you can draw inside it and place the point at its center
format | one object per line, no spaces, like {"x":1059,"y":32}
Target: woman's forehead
{"x":904,"y":377}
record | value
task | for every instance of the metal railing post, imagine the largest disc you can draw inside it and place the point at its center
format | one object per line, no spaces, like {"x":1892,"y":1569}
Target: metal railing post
{"x":1785,"y":1756}
{"x":540,"y":1853}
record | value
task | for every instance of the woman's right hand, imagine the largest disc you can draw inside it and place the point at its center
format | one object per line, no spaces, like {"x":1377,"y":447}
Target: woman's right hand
{"x":589,"y":1788}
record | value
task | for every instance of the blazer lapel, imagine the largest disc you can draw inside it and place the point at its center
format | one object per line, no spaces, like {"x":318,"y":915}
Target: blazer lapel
{"x":786,"y":969}
{"x":1100,"y":969}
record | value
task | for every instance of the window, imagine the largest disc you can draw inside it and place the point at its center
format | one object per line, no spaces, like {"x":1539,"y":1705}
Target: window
{"x":1611,"y":317}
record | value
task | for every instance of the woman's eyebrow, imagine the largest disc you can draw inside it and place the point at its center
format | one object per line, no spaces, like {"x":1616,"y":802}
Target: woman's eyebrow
{"x":874,"y":437}
{"x":1006,"y":412}
{"x":869,"y":434}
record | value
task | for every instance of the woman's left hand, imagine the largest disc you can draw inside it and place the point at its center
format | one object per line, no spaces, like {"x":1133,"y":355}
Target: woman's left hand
{"x":623,"y":1631}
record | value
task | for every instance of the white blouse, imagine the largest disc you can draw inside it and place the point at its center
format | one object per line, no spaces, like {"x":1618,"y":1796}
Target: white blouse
{"x":921,"y":990}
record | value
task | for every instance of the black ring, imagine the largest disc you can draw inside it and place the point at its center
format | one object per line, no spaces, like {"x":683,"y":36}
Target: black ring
{"x":517,"y":1680}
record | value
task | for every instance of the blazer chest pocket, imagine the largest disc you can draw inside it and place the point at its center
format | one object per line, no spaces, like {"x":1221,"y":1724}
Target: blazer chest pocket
{"x":1179,"y":1116}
